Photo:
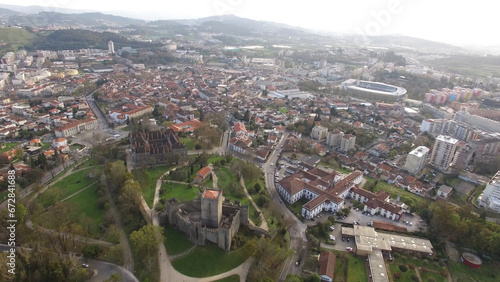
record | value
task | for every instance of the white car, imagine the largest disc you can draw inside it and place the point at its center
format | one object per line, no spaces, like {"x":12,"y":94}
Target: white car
{"x":348,"y":248}
{"x":332,"y":238}
{"x":332,"y":227}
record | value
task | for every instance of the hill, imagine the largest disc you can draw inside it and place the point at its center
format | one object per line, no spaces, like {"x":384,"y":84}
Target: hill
{"x":412,"y":43}
{"x":72,"y":39}
{"x":469,"y":65}
{"x":6,"y":12}
{"x":13,"y":38}
{"x":73,"y":20}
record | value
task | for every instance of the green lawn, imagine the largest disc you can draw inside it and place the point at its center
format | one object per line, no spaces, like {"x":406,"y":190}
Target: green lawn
{"x":283,"y":110}
{"x":15,"y":38}
{"x":208,"y":260}
{"x":407,"y":259}
{"x":147,"y":177}
{"x":45,"y":146}
{"x":68,"y":185}
{"x":75,"y":147}
{"x":175,"y":241}
{"x":189,"y":142}
{"x":405,"y":276}
{"x":86,"y":203}
{"x":225,"y":177}
{"x":341,"y":264}
{"x":296,"y":208}
{"x":87,"y":163}
{"x":435,"y":276}
{"x":489,"y":271}
{"x":232,"y":278}
{"x":215,"y":158}
{"x":407,"y":197}
{"x":125,"y":128}
{"x":356,"y":271}
{"x":8,"y":146}
{"x":181,"y":192}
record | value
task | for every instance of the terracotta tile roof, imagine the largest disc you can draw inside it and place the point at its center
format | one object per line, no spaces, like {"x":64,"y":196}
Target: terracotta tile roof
{"x":211,"y":194}
{"x":327,"y":264}
{"x":204,"y":171}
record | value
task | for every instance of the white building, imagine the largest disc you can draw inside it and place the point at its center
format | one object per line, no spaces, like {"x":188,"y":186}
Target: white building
{"x":111,"y":47}
{"x":416,"y":159}
{"x":347,"y":142}
{"x":491,"y":194}
{"x":319,"y":132}
{"x":334,"y":138}
{"x":443,"y":151}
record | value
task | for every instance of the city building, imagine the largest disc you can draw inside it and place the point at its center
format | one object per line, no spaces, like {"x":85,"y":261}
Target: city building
{"x":491,"y":194}
{"x":156,"y":147}
{"x":334,"y":138}
{"x":374,"y":244}
{"x":319,"y":132}
{"x":416,"y":159}
{"x":327,"y":266}
{"x":111,"y":47}
{"x":75,"y":127}
{"x":347,"y":142}
{"x":325,"y":191}
{"x":444,"y":191}
{"x":443,"y":151}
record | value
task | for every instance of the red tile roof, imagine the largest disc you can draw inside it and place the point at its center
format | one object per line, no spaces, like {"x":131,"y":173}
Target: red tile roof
{"x":211,"y":194}
{"x":327,"y":264}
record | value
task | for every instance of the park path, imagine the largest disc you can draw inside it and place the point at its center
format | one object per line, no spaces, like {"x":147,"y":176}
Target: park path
{"x":127,"y":251}
{"x":167,"y":271}
{"x":78,"y":238}
{"x":263,"y":222}
{"x":79,"y":191}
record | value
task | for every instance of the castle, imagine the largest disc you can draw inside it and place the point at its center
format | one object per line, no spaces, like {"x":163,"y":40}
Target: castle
{"x":210,"y":217}
{"x":156,"y":147}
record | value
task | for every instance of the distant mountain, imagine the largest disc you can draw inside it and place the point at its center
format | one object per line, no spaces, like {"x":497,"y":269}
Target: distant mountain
{"x":407,"y":42}
{"x":233,"y":25}
{"x":73,"y":39}
{"x":83,"y":19}
{"x":38,"y":9}
{"x":7,"y":12}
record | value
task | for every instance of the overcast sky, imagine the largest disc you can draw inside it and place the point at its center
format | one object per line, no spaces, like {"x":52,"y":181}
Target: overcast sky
{"x":456,"y":22}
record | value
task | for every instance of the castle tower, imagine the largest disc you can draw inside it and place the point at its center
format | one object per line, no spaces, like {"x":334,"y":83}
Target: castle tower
{"x":211,"y":208}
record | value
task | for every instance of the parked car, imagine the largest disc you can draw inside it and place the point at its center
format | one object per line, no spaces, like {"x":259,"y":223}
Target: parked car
{"x":332,"y":227}
{"x":332,"y":238}
{"x":348,"y":248}
{"x":84,"y":265}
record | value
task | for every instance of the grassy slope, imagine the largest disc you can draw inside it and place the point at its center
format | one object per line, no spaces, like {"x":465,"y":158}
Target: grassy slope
{"x":15,"y":38}
{"x":208,"y":260}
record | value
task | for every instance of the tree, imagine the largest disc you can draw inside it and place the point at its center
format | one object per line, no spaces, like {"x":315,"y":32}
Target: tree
{"x":20,"y":213}
{"x":145,"y":243}
{"x":116,"y":174}
{"x":293,"y":278}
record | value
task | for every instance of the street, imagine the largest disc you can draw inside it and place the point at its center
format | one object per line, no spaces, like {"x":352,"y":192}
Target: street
{"x":296,"y":228}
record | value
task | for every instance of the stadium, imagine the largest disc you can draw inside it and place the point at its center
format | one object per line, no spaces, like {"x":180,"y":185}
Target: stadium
{"x":374,"y":90}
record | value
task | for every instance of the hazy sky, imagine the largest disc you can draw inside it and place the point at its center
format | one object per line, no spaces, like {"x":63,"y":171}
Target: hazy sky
{"x":456,"y":22}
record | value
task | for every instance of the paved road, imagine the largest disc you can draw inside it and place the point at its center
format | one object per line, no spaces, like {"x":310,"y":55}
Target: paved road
{"x":296,"y":228}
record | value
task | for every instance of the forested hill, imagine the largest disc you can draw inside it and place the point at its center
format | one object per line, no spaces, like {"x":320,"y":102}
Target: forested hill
{"x":72,"y":39}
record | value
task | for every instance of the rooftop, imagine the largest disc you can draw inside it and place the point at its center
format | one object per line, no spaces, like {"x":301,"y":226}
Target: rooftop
{"x":211,"y":194}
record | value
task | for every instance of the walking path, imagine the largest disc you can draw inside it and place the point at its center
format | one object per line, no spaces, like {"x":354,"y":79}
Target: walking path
{"x":78,"y":238}
{"x":127,"y":251}
{"x":263,"y":222}
{"x":79,"y":191}
{"x":167,"y":271}
{"x":186,"y":252}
